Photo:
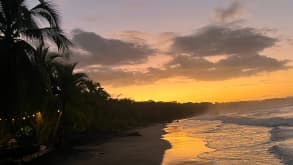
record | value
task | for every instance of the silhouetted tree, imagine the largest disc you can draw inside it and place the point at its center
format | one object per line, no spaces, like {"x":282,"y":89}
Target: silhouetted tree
{"x":96,"y":89}
{"x":68,"y":83}
{"x":19,"y":24}
{"x":45,"y":66}
{"x":19,"y":29}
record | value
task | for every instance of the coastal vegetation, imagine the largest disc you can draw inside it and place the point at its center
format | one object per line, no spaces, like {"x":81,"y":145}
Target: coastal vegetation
{"x":46,"y":101}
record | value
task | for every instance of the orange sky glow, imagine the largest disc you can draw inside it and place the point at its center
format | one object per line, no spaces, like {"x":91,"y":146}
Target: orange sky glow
{"x":272,"y":85}
{"x":185,"y":51}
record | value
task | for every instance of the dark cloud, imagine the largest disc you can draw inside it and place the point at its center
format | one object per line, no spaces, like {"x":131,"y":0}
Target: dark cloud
{"x":223,"y":39}
{"x":241,"y":46}
{"x":105,"y":51}
{"x":229,"y":13}
{"x":192,"y":68}
{"x":232,"y":67}
{"x":253,"y":63}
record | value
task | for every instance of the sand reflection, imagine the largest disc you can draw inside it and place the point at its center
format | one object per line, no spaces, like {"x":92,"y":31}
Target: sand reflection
{"x":185,"y":148}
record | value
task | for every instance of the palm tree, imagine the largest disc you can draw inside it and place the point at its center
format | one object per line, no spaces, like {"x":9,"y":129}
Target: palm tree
{"x":19,"y":29}
{"x":44,"y":64}
{"x":67,"y":83}
{"x":67,"y":86}
{"x":19,"y":24}
{"x":96,"y":89}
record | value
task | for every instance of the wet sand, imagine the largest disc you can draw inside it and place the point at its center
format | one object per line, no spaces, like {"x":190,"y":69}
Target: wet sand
{"x":153,"y":147}
{"x":185,"y":149}
{"x":147,"y":149}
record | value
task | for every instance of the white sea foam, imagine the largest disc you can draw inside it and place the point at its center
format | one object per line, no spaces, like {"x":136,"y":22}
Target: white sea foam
{"x":256,"y":136}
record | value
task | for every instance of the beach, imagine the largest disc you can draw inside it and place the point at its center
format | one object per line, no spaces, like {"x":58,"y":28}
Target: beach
{"x":261,"y":136}
{"x":151,"y":147}
{"x":146,"y":149}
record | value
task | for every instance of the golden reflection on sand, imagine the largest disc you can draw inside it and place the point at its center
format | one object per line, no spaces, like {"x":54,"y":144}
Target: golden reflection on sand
{"x":185,"y":148}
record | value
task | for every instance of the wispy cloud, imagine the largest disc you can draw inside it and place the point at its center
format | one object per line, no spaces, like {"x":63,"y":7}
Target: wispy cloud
{"x":229,"y":13}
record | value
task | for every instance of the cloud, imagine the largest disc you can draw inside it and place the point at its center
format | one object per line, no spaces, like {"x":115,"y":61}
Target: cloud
{"x":232,"y":67}
{"x":230,"y":13}
{"x":106,"y":51}
{"x":237,"y":50}
{"x":241,"y":47}
{"x":215,"y":40}
{"x":193,"y":69}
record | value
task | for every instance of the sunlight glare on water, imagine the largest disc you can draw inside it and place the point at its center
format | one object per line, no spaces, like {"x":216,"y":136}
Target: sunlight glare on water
{"x":213,"y":142}
{"x":185,"y":147}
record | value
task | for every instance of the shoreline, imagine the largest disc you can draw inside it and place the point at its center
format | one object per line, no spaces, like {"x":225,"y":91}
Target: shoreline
{"x":153,"y":146}
{"x":186,"y":149}
{"x":148,"y":149}
{"x":140,"y":145}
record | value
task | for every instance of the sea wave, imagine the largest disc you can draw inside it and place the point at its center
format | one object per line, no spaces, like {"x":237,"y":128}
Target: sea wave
{"x":240,"y":135}
{"x":284,"y":147}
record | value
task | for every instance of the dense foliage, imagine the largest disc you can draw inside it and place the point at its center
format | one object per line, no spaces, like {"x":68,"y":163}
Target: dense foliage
{"x":45,"y":99}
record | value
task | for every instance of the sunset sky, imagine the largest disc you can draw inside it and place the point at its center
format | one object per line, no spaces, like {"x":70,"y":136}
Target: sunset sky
{"x":184,"y":50}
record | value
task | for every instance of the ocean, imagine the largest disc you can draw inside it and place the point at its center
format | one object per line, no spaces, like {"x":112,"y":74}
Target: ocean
{"x":252,"y":136}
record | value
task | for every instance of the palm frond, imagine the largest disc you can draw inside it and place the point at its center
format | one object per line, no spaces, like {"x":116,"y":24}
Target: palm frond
{"x":25,"y":22}
{"x":48,"y":11}
{"x":80,"y":77}
{"x":17,"y":21}
{"x":53,"y":34}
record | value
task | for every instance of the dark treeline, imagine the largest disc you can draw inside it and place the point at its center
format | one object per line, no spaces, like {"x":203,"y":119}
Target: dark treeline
{"x":44,"y":99}
{"x":115,"y":114}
